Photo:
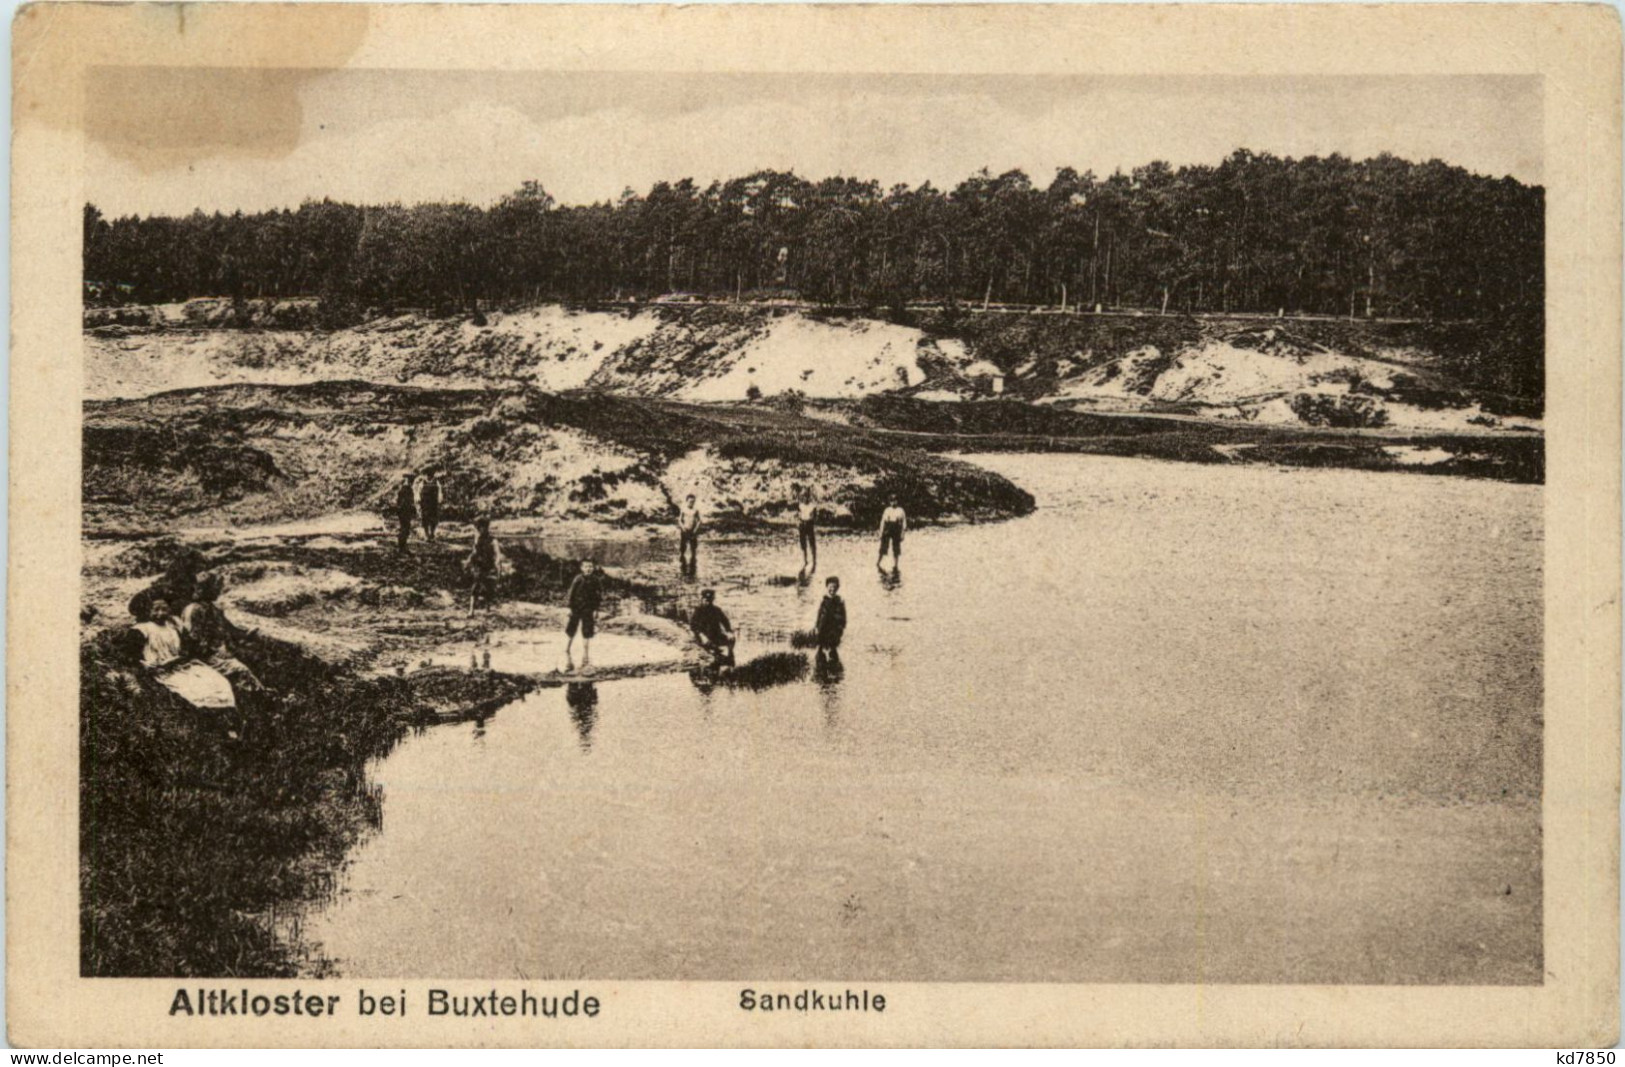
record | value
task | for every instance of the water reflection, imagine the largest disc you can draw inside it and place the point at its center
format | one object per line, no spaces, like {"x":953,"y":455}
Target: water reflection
{"x":891,"y":580}
{"x":609,"y":551}
{"x":761,"y":672}
{"x":828,"y":670}
{"x":582,"y":698}
{"x":968,"y":732}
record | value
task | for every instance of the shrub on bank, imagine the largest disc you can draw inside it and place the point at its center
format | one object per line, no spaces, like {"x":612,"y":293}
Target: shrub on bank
{"x":1345,"y":411}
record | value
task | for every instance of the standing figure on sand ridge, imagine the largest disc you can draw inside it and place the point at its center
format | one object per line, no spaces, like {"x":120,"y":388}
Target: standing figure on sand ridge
{"x":483,"y":565}
{"x":406,"y":511}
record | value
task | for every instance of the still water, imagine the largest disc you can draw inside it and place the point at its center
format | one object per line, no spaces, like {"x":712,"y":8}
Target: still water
{"x":1183,"y":723}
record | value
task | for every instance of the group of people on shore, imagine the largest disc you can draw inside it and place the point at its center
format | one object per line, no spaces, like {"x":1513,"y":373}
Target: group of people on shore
{"x":193,"y":653}
{"x":184,"y":641}
{"x":418,"y":499}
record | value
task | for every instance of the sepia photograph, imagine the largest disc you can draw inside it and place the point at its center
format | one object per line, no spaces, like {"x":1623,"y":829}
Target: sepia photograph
{"x":826,"y":539}
{"x":1054,"y":529}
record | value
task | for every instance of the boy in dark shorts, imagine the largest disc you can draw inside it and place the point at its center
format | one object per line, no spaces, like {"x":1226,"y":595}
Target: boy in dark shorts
{"x":831,"y":625}
{"x":585,"y":596}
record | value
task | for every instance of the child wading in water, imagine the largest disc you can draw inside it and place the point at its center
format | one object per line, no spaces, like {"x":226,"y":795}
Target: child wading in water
{"x":807,"y":531}
{"x":893,"y":524}
{"x":831,"y":625}
{"x":712,"y":631}
{"x":688,"y":535}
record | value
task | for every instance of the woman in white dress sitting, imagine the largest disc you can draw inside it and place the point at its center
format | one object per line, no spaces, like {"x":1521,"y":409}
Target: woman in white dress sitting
{"x":164,"y":658}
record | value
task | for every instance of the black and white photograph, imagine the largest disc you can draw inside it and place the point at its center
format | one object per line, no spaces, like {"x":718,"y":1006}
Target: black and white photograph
{"x":810,"y":531}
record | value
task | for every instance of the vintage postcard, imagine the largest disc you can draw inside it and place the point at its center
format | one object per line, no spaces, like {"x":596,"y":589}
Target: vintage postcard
{"x":1022,"y":525}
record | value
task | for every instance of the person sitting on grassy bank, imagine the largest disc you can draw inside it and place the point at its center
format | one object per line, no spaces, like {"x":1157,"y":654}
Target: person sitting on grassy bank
{"x":212,"y":638}
{"x":159,"y":644}
{"x":177,"y":585}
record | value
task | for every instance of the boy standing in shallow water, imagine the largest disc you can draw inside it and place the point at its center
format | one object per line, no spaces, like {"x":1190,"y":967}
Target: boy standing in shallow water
{"x":831,"y":623}
{"x":807,"y":531}
{"x":585,"y":595}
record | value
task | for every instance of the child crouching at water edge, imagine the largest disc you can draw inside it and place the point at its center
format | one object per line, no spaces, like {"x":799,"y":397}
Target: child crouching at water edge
{"x":713,"y":632}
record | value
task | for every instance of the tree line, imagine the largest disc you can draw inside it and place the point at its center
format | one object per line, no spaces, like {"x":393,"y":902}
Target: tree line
{"x":1382,"y":237}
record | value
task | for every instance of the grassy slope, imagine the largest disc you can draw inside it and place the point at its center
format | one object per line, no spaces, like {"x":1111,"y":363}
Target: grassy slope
{"x":190,"y":847}
{"x":1502,"y":363}
{"x":187,"y":843}
{"x":262,"y":453}
{"x":1010,"y":425}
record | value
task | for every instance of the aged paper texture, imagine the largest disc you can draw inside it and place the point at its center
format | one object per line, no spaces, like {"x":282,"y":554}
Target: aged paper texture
{"x":484,"y":442}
